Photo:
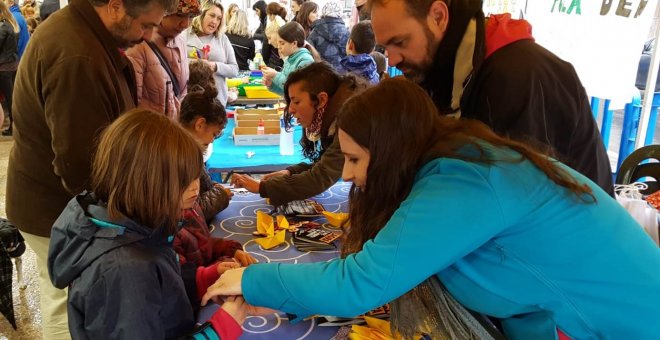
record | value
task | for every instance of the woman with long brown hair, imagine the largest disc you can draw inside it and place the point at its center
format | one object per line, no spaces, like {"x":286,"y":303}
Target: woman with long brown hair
{"x":308,"y":14}
{"x":447,"y":217}
{"x":8,"y":59}
{"x":314,"y":95}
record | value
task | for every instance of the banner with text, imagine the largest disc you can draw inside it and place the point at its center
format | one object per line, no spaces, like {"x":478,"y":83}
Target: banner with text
{"x":603,"y":39}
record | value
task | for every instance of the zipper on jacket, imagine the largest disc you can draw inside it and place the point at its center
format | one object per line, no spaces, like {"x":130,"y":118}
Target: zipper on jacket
{"x":167,"y":94}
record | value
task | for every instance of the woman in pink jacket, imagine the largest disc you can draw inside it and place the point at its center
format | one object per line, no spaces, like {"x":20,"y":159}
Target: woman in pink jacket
{"x":161,"y":64}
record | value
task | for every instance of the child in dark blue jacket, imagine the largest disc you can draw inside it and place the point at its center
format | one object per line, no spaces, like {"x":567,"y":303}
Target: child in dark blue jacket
{"x":112,"y":247}
{"x":358,"y":60}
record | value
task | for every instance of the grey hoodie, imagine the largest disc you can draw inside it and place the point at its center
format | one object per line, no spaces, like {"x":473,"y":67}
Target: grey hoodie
{"x":124,"y":280}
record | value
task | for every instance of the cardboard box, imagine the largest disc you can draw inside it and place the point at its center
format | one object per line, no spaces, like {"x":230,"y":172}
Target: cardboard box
{"x":255,"y":123}
{"x":256,"y":111}
{"x":247,"y":116}
{"x":248,"y":119}
{"x":249,"y":136}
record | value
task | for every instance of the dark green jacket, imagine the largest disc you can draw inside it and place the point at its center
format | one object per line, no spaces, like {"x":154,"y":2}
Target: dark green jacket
{"x":307,"y":180}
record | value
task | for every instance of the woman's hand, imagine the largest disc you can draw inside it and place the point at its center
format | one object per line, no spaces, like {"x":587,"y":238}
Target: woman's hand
{"x":276,"y":174}
{"x":243,"y":258}
{"x":228,"y":284}
{"x":211,"y":64}
{"x":244,"y":181}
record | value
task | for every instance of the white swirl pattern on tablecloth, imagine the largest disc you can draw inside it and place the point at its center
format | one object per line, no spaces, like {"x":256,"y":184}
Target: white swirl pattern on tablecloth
{"x":238,"y":221}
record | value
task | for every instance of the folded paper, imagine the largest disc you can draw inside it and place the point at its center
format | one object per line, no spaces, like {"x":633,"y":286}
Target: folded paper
{"x":376,"y":329}
{"x":335,"y":219}
{"x":266,"y":227}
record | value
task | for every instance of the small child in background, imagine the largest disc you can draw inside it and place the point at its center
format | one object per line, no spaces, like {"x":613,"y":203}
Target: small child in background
{"x":358,"y":60}
{"x":298,"y":53}
{"x":32,"y":24}
{"x":201,"y":74}
{"x":381,"y":64}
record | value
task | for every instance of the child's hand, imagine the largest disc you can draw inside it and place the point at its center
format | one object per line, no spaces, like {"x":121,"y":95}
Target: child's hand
{"x":225,"y":189}
{"x":236,"y":307}
{"x":244,"y":258}
{"x":222,"y":267}
{"x":239,"y":309}
{"x":269,"y":73}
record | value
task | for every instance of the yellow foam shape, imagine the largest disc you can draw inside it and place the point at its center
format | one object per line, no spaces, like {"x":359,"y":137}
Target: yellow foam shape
{"x":335,"y":219}
{"x":271,"y":241}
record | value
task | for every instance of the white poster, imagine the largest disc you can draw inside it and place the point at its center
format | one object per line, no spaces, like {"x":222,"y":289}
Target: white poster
{"x":515,"y":7}
{"x":603,"y":39}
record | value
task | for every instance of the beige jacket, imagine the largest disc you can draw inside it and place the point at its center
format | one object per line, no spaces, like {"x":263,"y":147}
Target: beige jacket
{"x":154,"y":86}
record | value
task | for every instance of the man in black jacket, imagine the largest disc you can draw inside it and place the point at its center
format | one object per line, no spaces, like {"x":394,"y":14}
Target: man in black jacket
{"x":493,"y":71}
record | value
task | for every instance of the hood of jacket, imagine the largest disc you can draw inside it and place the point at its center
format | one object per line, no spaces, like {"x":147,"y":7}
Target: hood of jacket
{"x":331,"y":29}
{"x":501,"y":30}
{"x":464,"y":47}
{"x":362,"y":65}
{"x":82,"y":233}
{"x":345,"y":91}
{"x":298,"y":55}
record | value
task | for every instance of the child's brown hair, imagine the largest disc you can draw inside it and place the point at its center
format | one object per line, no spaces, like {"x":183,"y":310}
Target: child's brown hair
{"x":144,"y":163}
{"x":201,"y":74}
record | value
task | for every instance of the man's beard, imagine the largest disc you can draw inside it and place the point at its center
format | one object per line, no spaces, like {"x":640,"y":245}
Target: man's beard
{"x":417,"y":72}
{"x":119,"y":30}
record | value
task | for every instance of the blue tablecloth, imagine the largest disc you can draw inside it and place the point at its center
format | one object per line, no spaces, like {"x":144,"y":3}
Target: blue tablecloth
{"x":238,"y":221}
{"x":226,"y":156}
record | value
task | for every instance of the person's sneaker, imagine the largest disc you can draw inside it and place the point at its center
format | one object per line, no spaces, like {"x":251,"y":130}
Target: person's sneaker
{"x":6,"y":132}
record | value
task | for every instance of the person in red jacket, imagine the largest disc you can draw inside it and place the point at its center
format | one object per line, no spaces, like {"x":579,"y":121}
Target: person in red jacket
{"x":205,"y":118}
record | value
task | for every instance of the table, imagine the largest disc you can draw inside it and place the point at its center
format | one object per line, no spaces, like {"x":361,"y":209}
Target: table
{"x":238,"y":221}
{"x":228,"y":157}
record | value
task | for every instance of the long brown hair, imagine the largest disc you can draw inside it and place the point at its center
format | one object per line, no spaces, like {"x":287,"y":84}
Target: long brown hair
{"x":143,"y":165}
{"x":303,"y":16}
{"x":277,"y":9}
{"x":400,"y":126}
{"x":316,"y":78}
{"x":294,"y":32}
{"x":5,"y":14}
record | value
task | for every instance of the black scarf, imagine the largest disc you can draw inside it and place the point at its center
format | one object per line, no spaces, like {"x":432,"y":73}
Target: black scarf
{"x":439,"y":78}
